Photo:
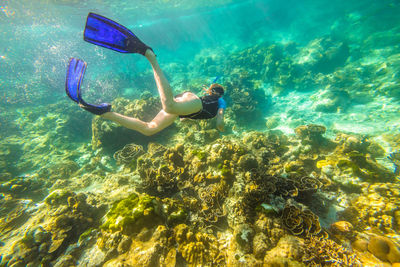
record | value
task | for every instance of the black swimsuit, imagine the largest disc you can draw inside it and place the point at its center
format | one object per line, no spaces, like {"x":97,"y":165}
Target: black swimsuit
{"x":210,"y":108}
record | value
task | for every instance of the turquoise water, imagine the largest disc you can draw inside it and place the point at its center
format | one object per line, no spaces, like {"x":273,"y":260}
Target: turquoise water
{"x":309,"y":158}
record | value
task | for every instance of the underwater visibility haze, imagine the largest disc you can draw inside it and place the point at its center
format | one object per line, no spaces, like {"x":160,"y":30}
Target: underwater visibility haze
{"x":305,"y":173}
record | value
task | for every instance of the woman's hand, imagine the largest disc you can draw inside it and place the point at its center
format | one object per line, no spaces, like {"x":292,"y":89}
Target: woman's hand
{"x":206,"y":89}
{"x":221,"y":127}
{"x":220,"y":120}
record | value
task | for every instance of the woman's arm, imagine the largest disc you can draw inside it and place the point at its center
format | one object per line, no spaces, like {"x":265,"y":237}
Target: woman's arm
{"x":220,"y":120}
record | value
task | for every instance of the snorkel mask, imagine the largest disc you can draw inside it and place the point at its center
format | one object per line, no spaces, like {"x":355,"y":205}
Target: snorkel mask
{"x":217,"y":90}
{"x":214,"y":88}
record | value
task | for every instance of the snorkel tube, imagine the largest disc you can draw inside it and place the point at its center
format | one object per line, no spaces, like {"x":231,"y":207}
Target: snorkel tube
{"x":215,"y":80}
{"x":207,"y":89}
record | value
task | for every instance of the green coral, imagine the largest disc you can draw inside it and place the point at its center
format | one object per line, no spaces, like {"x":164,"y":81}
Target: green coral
{"x":131,"y":214}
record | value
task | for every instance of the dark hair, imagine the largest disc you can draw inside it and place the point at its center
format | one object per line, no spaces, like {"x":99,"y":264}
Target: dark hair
{"x":217,"y":89}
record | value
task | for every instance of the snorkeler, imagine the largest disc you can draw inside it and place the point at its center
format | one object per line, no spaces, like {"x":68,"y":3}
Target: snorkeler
{"x":109,"y":34}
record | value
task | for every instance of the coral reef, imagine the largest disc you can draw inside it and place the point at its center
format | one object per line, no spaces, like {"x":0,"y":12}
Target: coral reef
{"x":13,"y":213}
{"x":331,"y":100}
{"x":311,"y":135}
{"x":376,"y":207}
{"x":51,"y":229}
{"x":291,"y":194}
{"x":246,"y":104}
{"x":257,"y":190}
{"x":394,"y":157}
{"x":290,"y":248}
{"x":354,"y":156}
{"x":212,"y":198}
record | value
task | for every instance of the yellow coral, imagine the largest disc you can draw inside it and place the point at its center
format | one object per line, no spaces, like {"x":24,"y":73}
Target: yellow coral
{"x":198,"y":249}
{"x":194,"y":253}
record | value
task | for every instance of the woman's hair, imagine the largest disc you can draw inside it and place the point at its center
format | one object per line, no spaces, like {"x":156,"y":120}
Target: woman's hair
{"x":216,"y":88}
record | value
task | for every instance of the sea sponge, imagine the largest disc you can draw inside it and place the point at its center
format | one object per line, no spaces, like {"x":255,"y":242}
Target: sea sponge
{"x":384,"y":249}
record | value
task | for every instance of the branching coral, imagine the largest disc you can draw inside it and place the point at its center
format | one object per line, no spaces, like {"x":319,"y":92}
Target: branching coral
{"x":321,"y":251}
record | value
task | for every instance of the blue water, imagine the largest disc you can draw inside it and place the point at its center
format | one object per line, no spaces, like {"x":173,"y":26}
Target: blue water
{"x":39,"y":37}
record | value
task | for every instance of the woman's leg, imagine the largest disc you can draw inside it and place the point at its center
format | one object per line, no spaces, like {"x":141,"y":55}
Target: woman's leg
{"x":160,"y":122}
{"x":190,"y":104}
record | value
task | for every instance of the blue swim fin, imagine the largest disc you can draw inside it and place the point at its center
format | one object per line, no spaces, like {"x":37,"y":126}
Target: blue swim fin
{"x":107,"y":33}
{"x":75,"y":73}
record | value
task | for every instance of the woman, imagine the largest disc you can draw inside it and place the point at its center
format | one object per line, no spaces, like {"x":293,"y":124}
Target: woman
{"x":107,"y":33}
{"x":185,"y":105}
